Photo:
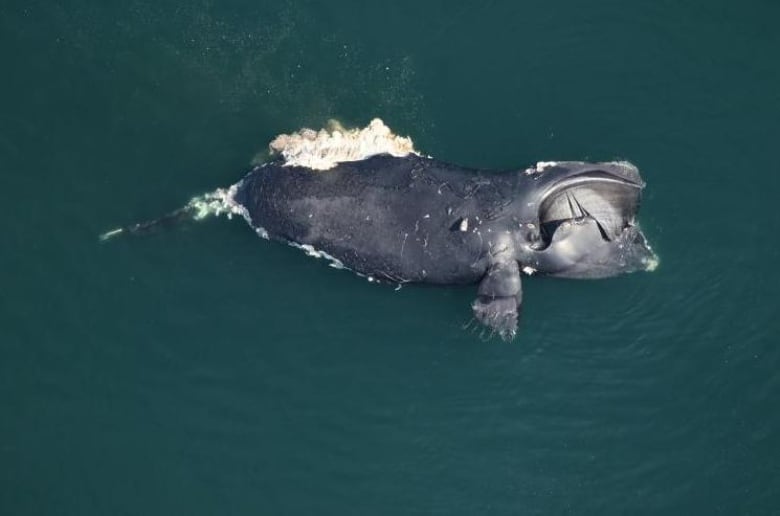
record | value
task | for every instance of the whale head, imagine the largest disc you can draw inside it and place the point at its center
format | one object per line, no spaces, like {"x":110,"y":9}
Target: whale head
{"x":586,"y":223}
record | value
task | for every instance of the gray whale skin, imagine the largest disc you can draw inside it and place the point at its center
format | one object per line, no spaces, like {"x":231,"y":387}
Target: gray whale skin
{"x":418,"y":219}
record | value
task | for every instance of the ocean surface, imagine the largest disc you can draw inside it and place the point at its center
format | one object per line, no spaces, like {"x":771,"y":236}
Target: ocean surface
{"x":202,"y":370}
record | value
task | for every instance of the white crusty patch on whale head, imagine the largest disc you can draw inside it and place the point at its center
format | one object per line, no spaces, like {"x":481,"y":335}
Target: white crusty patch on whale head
{"x":326,"y":148}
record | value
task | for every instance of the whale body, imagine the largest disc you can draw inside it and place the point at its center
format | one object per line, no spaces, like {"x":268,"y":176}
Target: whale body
{"x":366,"y":200}
{"x":415,"y":219}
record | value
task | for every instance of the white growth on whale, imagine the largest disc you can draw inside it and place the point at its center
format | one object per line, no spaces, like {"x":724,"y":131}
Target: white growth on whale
{"x":540,"y":167}
{"x":326,"y":148}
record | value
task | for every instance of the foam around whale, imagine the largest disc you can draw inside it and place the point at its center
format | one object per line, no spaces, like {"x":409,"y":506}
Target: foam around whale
{"x":326,"y":148}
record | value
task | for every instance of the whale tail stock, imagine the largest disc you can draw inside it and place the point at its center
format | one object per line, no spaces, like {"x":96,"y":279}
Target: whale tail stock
{"x":218,"y":202}
{"x":142,"y":228}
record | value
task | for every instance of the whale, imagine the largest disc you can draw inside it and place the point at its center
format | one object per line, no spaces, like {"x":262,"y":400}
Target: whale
{"x":367,"y":201}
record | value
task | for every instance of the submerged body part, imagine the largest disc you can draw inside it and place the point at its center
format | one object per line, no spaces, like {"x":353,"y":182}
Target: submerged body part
{"x":368,"y":201}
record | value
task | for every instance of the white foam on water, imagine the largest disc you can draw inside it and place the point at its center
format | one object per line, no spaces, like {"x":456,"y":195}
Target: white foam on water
{"x":326,"y":148}
{"x":221,"y":202}
{"x":218,"y":202}
{"x":652,"y":264}
{"x":316,"y":253}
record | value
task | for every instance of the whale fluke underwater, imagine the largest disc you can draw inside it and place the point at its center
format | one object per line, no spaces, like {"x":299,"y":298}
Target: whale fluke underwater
{"x":366,"y":200}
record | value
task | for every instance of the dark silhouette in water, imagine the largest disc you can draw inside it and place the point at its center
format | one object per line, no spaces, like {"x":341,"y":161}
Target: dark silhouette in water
{"x":409,"y":218}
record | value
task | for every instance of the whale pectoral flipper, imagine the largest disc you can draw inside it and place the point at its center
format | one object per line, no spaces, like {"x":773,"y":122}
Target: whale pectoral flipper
{"x":500,"y":295}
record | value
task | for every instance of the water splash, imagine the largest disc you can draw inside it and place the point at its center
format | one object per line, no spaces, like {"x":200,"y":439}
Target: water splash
{"x":219,"y":202}
{"x":326,"y":148}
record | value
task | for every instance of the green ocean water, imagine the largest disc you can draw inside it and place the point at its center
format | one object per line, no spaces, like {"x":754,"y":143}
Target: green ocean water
{"x":202,"y":370}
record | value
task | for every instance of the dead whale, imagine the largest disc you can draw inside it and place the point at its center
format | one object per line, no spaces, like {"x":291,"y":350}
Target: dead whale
{"x":368,"y":201}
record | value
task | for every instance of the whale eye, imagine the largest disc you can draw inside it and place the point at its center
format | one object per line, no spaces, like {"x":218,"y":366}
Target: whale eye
{"x":461,"y":224}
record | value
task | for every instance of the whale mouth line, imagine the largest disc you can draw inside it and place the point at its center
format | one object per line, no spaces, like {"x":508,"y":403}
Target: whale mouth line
{"x":608,"y":200}
{"x":593,"y":177}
